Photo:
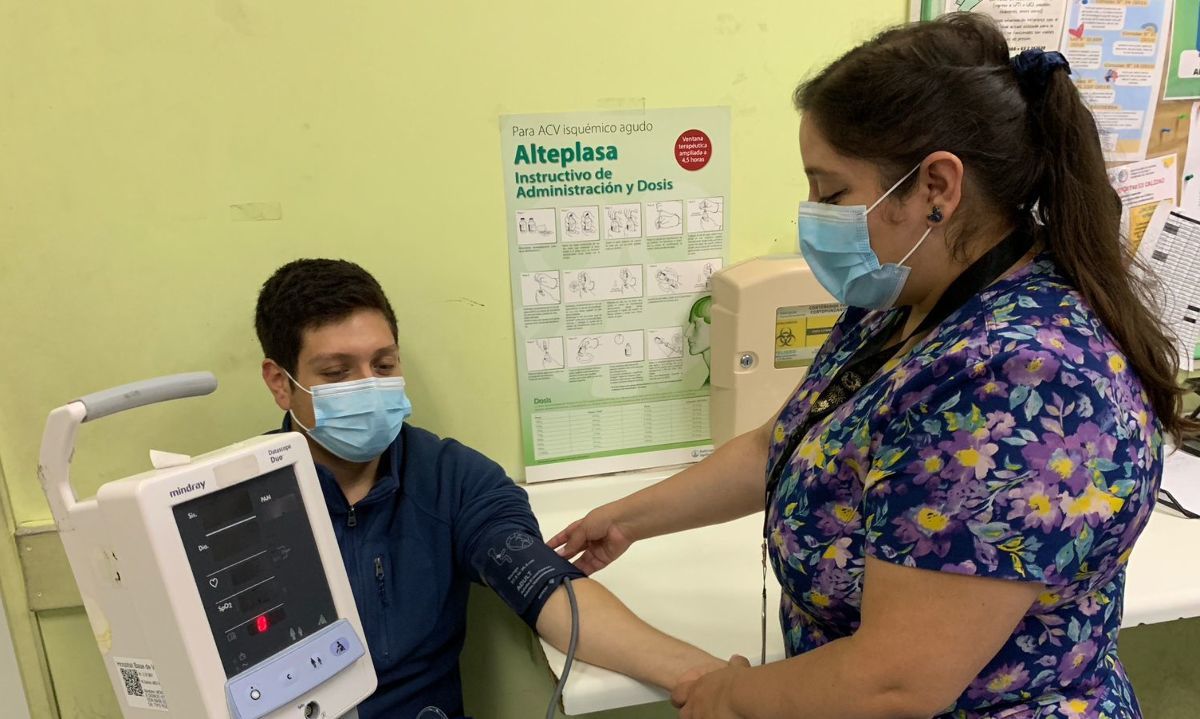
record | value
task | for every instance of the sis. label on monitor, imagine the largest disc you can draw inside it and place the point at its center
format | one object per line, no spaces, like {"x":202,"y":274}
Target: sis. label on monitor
{"x":140,"y":684}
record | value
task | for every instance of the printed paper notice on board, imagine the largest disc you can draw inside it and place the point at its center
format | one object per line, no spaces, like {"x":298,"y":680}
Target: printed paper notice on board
{"x":1143,"y":186}
{"x":1171,"y":249}
{"x":1183,"y":71}
{"x":1116,"y":50}
{"x":1026,"y":24}
{"x":616,"y":223}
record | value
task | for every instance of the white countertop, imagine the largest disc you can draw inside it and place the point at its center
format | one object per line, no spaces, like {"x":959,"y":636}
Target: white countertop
{"x":1163,"y":583}
{"x":704,"y":586}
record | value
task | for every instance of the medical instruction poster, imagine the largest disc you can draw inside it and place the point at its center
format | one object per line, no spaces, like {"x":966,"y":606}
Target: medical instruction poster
{"x":1116,"y":49}
{"x":1143,"y":186}
{"x":1183,"y":70}
{"x":616,"y":222}
{"x":1026,"y":24}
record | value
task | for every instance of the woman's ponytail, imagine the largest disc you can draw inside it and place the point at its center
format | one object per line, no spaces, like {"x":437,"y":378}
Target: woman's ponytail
{"x":1082,"y":215}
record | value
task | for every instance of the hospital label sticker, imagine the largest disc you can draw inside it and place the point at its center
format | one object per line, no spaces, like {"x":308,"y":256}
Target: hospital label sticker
{"x":140,"y":685}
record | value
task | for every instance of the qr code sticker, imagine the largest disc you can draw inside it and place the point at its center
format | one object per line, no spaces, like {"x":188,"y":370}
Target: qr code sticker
{"x":139,"y":680}
{"x":133,"y":683}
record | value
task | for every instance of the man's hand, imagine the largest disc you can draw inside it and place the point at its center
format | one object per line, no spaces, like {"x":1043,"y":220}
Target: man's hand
{"x":709,"y":695}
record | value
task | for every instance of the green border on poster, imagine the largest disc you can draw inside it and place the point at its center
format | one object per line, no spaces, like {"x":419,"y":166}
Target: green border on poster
{"x":1185,"y":40}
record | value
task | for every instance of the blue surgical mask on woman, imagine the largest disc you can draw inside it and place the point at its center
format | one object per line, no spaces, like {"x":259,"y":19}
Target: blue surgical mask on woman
{"x":837,"y":246}
{"x":359,"y":419}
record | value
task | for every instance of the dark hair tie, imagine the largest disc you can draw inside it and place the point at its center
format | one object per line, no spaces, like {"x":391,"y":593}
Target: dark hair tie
{"x":1033,"y":69}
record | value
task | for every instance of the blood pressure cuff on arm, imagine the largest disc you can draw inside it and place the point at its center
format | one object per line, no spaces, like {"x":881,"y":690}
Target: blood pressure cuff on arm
{"x":520,"y":568}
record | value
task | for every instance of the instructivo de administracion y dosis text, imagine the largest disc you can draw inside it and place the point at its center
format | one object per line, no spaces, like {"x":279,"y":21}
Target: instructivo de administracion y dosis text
{"x":570,"y":182}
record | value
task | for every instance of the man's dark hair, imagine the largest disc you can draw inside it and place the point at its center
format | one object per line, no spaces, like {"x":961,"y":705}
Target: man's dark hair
{"x":306,"y":294}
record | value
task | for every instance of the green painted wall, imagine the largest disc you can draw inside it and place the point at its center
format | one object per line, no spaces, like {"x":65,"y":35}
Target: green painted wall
{"x":134,"y":135}
{"x":372,"y":127}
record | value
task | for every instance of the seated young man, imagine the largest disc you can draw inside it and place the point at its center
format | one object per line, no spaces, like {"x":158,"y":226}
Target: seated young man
{"x":418,"y":518}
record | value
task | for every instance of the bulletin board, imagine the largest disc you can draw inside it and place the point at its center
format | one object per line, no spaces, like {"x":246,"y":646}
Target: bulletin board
{"x":1172,"y":121}
{"x":1172,"y":117}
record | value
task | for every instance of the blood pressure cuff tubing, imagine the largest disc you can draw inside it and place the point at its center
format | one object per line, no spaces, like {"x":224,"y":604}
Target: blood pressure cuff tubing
{"x":520,"y":568}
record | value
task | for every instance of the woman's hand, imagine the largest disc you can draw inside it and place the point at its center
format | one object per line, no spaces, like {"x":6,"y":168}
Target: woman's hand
{"x":712,"y":664}
{"x":598,"y":538}
{"x":726,"y":485}
{"x":709,"y":696}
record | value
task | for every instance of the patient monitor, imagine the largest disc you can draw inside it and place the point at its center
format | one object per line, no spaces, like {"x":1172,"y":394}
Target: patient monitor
{"x":769,"y":318}
{"x":213,"y":584}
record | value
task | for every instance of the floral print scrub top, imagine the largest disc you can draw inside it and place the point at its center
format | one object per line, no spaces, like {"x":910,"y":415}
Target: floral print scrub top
{"x":1013,"y":442}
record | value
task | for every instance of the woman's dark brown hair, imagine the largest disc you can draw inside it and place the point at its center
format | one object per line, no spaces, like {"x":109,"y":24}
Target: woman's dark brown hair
{"x":1029,"y":153}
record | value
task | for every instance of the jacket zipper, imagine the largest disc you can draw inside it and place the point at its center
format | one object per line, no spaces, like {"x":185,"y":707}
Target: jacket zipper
{"x":351,"y":520}
{"x":383,"y":601}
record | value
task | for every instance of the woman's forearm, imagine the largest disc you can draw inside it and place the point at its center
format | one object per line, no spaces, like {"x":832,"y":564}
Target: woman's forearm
{"x":728,"y":484}
{"x":841,"y":680}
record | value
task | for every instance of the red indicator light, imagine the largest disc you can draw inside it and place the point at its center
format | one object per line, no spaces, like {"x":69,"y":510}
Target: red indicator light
{"x":262,"y":623}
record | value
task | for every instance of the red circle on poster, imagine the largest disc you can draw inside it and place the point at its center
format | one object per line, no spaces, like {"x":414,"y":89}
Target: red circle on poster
{"x":693,"y":150}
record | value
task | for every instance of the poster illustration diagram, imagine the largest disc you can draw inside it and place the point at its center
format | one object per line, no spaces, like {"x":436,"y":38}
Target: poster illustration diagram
{"x":540,"y":288}
{"x":599,"y":283}
{"x":545,"y":353}
{"x":698,"y":334}
{"x":681,"y":278}
{"x":623,"y":222}
{"x":605,"y":348}
{"x":580,"y":224}
{"x":665,"y":343}
{"x":536,"y":227}
{"x":706,"y":215}
{"x":664,"y":219}
{"x":581,"y":285}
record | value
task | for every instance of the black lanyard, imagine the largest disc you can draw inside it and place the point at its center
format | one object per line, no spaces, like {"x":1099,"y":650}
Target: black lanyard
{"x":873,"y":356}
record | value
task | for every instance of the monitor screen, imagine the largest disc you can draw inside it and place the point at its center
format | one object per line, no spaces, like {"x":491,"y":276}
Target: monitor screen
{"x":256,"y":566}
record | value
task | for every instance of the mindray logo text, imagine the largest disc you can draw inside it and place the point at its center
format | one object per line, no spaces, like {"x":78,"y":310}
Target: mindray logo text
{"x":187,"y":489}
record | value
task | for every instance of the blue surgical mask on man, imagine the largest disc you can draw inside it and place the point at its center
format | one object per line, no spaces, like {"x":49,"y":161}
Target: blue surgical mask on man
{"x":837,"y":246}
{"x":359,"y":419}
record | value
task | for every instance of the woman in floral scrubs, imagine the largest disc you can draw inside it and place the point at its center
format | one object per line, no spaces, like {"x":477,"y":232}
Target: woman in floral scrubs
{"x":953,"y":492}
{"x":1012,"y":443}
